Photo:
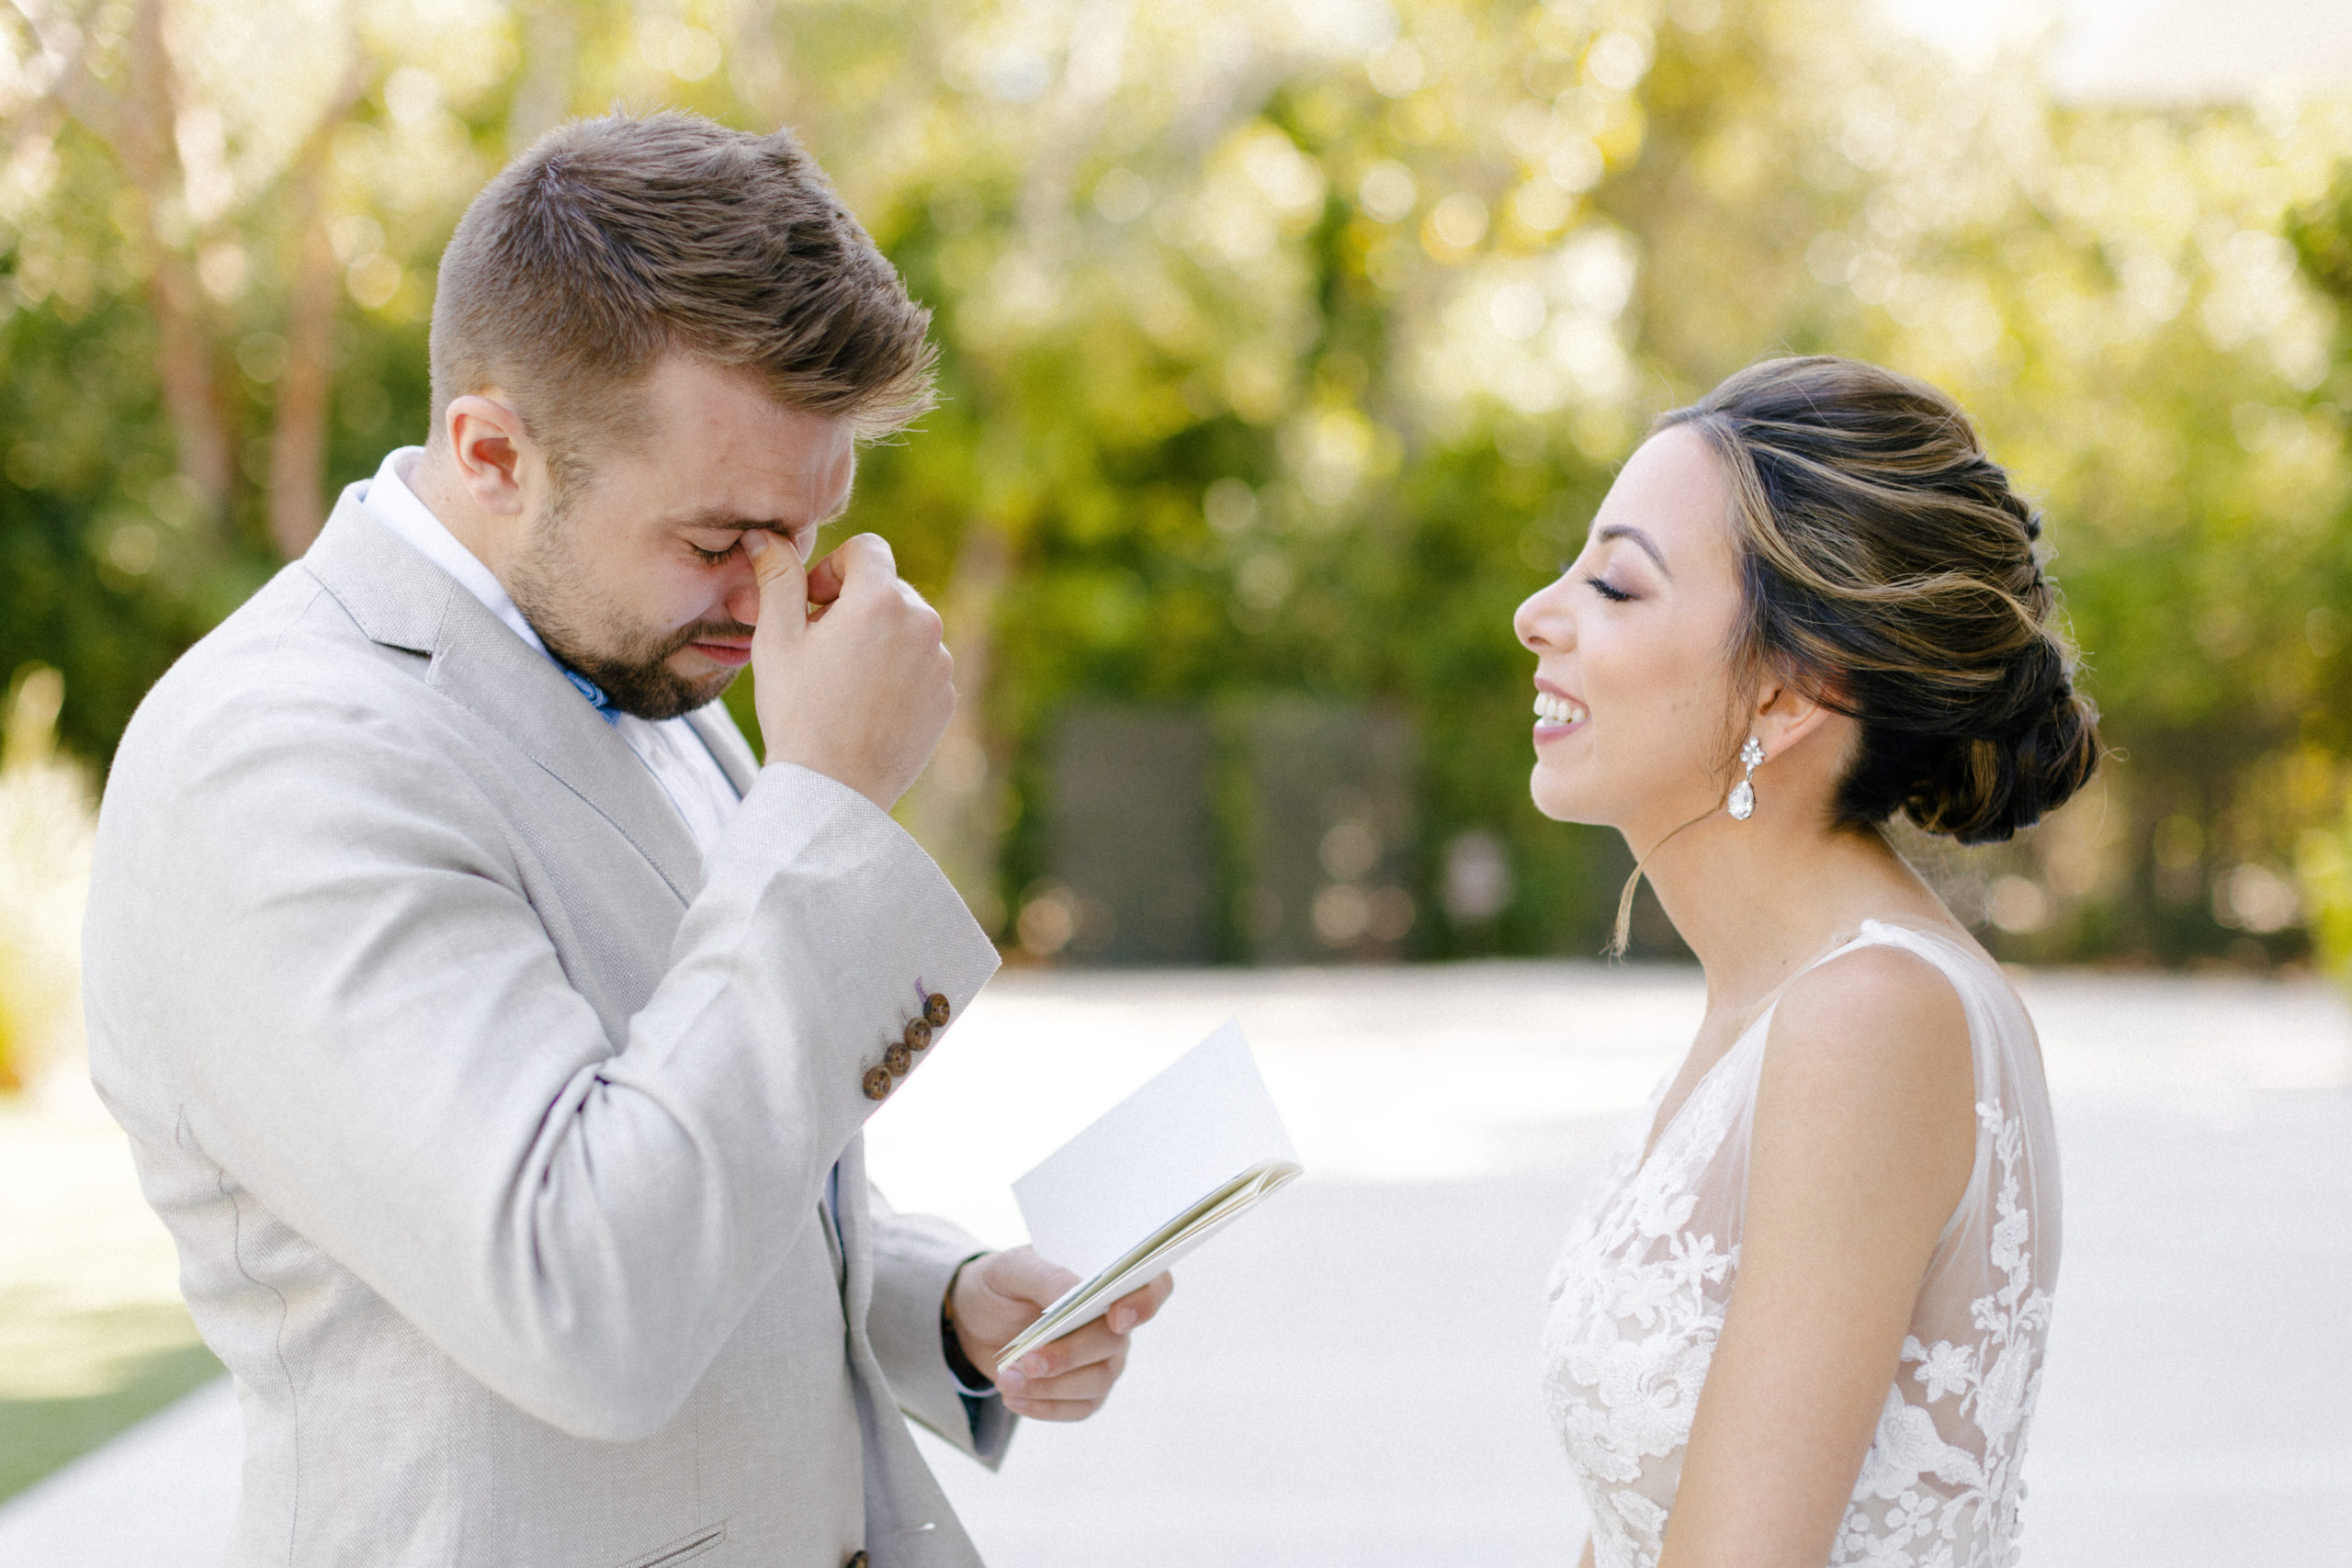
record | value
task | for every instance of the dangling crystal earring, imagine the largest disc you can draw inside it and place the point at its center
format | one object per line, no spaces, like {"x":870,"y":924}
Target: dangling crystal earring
{"x":1742,"y":804}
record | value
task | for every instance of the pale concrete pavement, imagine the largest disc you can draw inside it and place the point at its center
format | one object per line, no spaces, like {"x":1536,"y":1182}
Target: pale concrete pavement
{"x":1349,"y":1377}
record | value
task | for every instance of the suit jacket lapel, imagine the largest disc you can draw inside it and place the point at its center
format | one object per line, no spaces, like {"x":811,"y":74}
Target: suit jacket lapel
{"x":401,"y":600}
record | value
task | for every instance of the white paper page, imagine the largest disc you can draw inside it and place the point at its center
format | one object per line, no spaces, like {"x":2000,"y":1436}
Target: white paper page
{"x":1167,"y":1260}
{"x":1104,"y":1289}
{"x":1204,"y":1121}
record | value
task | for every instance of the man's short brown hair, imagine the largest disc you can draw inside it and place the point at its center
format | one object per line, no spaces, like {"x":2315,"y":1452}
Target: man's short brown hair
{"x":618,"y":239}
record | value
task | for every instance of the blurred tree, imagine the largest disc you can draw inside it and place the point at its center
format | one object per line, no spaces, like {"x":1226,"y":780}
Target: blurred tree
{"x":46,"y":823}
{"x":1287,"y":344}
{"x":2107,"y":291}
{"x":203,"y":172}
{"x":2321,"y":231}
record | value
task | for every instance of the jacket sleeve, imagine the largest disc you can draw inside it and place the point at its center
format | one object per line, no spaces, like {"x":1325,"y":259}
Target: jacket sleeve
{"x":324,"y":933}
{"x":915,"y":1257}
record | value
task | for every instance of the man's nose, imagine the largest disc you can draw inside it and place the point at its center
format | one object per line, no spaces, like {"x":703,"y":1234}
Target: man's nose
{"x":742,"y":599}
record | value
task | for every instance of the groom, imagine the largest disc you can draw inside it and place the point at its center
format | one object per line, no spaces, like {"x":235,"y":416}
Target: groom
{"x":493,"y":1033}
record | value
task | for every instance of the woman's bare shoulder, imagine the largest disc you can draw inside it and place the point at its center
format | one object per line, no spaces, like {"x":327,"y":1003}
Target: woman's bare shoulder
{"x":1874,"y":1034}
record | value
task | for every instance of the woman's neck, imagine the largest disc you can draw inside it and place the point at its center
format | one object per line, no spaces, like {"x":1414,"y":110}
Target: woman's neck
{"x":1757,"y":902}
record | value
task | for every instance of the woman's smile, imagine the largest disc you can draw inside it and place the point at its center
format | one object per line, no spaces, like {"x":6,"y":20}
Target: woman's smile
{"x":1556,"y":713}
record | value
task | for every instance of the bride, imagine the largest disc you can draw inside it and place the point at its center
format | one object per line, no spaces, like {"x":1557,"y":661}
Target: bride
{"x":1803,"y":1319}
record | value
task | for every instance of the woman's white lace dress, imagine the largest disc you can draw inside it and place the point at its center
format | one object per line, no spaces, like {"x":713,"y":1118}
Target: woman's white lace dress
{"x":1639,"y":1293}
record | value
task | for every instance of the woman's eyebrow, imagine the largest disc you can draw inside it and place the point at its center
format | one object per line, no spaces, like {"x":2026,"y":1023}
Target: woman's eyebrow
{"x":1648,"y":546}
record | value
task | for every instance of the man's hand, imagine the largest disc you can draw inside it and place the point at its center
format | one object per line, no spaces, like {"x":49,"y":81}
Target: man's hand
{"x":851,"y":678}
{"x":998,"y":1294}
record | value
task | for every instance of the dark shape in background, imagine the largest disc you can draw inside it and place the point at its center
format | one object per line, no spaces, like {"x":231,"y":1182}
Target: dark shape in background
{"x":1327,"y":830}
{"x":1132,"y":853}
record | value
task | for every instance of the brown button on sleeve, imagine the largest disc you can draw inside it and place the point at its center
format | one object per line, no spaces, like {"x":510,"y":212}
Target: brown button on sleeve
{"x":934,"y":1009}
{"x":898,"y":1059}
{"x":877,"y":1083}
{"x":918,"y":1034}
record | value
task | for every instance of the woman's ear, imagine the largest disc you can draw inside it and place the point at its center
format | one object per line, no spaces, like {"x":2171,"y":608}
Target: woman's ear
{"x":1785,"y":716}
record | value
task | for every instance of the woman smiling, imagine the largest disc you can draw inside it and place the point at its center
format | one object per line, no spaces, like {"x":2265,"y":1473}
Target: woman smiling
{"x":1803,"y":1319}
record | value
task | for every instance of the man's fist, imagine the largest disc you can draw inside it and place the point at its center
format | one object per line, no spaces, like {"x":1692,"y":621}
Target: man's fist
{"x":997,"y":1295}
{"x":850,"y":677}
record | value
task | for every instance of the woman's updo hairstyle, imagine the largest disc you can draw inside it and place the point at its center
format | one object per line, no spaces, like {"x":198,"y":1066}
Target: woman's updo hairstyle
{"x":1890,"y":573}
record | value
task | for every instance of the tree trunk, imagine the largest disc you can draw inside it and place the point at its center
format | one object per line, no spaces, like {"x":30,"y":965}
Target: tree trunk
{"x":143,"y":142}
{"x":191,"y":388}
{"x":543,"y":90}
{"x":298,"y":450}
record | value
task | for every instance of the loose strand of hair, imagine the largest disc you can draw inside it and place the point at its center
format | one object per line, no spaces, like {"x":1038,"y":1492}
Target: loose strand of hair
{"x":1623,"y":933}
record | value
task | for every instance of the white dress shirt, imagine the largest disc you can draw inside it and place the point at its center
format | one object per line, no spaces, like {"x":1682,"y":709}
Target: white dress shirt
{"x":669,"y":748}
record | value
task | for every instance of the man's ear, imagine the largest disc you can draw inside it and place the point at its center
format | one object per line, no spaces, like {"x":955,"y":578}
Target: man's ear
{"x":488,"y":443}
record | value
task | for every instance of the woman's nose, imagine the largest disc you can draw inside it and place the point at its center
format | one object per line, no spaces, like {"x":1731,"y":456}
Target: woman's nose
{"x":1541,"y":620}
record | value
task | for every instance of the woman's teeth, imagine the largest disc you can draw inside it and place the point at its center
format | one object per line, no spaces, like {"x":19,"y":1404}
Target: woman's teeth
{"x":1557,"y":710}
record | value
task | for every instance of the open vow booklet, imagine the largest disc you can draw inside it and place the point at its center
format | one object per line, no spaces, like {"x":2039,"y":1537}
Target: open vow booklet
{"x":1154,"y":1176}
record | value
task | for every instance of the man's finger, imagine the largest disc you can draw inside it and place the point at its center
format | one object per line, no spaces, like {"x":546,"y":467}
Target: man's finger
{"x":1054,"y":1409}
{"x":1020,"y":1275}
{"x":825,"y":580}
{"x":1139,"y":1306}
{"x":1080,"y":1347}
{"x":783,"y":584}
{"x":865,"y":562}
{"x":1081,"y":1382}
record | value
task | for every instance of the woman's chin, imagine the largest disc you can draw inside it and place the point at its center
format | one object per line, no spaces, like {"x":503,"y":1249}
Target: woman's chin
{"x":1555,"y":798}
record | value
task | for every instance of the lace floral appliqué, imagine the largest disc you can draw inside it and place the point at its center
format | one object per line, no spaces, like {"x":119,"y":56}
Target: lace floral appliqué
{"x":1921,"y":1499}
{"x":1638,"y":1299}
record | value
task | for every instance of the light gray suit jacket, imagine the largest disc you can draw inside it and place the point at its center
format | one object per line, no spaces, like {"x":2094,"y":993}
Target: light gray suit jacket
{"x":494,"y":1126}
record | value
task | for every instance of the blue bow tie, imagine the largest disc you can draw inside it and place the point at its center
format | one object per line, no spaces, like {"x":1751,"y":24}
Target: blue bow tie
{"x":594,"y":693}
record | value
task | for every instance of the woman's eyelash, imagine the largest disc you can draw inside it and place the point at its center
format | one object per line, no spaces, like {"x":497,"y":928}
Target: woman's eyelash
{"x":1614,"y":595}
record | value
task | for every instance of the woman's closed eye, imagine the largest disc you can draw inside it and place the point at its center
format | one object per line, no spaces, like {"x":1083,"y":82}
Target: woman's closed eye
{"x":1601,"y":586}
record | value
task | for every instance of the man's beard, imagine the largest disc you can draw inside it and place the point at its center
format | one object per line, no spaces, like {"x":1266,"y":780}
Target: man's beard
{"x":589,"y":633}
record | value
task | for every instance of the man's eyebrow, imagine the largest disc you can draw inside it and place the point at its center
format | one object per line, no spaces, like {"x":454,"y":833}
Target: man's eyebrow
{"x":720,"y":519}
{"x":1648,"y":546}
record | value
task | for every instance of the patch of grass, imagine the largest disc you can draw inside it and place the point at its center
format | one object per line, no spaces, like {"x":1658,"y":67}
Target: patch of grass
{"x":37,"y":1436}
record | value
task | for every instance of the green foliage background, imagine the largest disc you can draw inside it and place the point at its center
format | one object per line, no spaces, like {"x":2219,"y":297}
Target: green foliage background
{"x":1287,"y":346}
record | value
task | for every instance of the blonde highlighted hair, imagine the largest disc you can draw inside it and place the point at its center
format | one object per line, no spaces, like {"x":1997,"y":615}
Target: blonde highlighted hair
{"x":1892,"y":573}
